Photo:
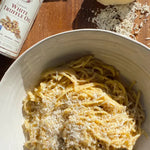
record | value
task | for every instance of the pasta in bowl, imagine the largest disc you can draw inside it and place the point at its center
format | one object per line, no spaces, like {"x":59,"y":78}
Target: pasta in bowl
{"x":83,"y":105}
{"x":21,"y":82}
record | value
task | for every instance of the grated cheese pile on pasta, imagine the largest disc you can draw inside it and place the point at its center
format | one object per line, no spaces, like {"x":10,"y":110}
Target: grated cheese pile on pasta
{"x":82,"y":106}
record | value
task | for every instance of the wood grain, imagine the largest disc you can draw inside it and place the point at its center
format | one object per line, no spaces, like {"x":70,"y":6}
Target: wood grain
{"x":54,"y":16}
{"x":61,"y":15}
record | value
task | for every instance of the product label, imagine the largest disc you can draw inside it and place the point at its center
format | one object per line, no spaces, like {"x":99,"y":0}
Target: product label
{"x":16,"y":18}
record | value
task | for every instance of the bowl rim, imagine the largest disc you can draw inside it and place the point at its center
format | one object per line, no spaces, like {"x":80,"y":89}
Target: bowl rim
{"x":73,"y":31}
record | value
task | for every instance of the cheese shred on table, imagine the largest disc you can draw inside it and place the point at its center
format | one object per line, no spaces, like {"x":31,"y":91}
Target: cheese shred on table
{"x":122,"y":18}
{"x":82,"y":105}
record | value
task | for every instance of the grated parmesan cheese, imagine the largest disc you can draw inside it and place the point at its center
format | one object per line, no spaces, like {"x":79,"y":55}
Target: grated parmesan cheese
{"x":121,"y":18}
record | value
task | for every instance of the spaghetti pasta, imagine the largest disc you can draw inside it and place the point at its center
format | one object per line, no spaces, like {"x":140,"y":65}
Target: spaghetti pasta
{"x":83,"y":105}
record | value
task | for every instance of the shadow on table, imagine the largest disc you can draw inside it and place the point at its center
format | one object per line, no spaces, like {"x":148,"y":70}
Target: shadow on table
{"x":53,"y":0}
{"x":4,"y":64}
{"x":86,"y":13}
{"x":91,"y":8}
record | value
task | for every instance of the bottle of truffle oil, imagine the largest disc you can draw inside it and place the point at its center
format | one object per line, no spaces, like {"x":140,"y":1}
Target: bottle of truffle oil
{"x":16,"y":19}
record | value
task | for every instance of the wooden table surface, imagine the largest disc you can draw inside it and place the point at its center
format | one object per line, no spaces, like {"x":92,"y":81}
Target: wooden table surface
{"x":61,"y":15}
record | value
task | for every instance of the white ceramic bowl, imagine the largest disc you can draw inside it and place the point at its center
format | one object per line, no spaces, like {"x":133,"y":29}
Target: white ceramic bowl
{"x":129,"y":56}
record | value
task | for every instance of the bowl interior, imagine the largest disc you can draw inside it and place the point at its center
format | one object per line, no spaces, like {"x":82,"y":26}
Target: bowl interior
{"x":130,"y":58}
